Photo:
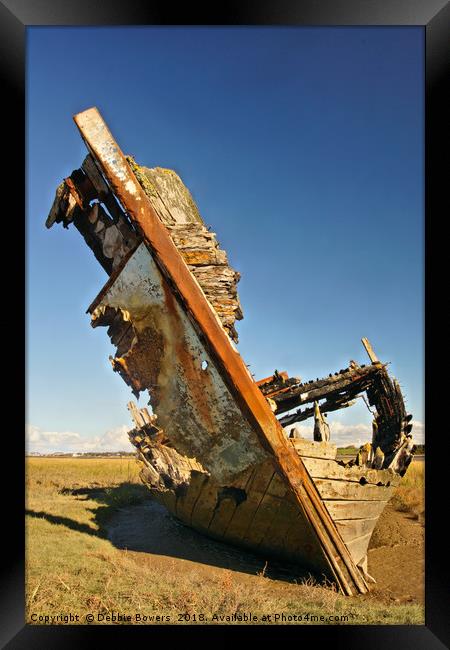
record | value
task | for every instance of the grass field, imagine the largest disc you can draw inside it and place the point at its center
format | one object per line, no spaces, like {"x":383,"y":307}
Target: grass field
{"x":73,"y":569}
{"x":410,"y":495}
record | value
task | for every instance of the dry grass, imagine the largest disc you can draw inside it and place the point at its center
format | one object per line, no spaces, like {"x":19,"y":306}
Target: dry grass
{"x":410,"y":494}
{"x":73,"y":569}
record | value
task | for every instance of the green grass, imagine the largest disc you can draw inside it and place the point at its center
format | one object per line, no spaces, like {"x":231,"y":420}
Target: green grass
{"x":347,"y":451}
{"x":72,"y":568}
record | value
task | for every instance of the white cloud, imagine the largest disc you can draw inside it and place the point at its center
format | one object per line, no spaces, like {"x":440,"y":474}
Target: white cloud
{"x":418,"y":432}
{"x":41,"y":441}
{"x":341,"y":434}
{"x":116,"y":439}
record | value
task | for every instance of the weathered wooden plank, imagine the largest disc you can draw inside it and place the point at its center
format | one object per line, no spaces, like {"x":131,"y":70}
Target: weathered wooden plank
{"x":353,"y":380}
{"x":222,"y":516}
{"x":203,"y":510}
{"x":146,"y":415}
{"x":169,"y":500}
{"x":313,"y":449}
{"x":331,"y":489}
{"x":90,"y":169}
{"x":228,"y":504}
{"x":331,"y":404}
{"x":105,"y":196}
{"x":352,"y":528}
{"x":176,"y":209}
{"x":148,"y":475}
{"x":275,"y":534}
{"x":243,"y":515}
{"x":277,"y":486}
{"x":331,"y":469}
{"x":358,"y":547}
{"x":354,"y":509}
{"x":136,"y":414}
{"x":200,"y":257}
{"x":118,"y":329}
{"x":110,"y":241}
{"x":60,"y":205}
{"x":266,"y":511}
{"x":321,"y":427}
{"x":185,"y":504}
{"x":301,"y":543}
{"x":194,"y":406}
{"x":369,"y":349}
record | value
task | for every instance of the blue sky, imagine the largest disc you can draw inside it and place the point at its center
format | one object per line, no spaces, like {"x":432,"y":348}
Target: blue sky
{"x":304,"y":150}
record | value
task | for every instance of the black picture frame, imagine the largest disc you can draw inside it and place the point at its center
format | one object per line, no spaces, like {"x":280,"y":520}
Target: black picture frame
{"x":433,"y":16}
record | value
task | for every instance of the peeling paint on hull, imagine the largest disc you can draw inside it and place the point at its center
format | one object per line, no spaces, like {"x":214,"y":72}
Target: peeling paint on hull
{"x":193,"y":405}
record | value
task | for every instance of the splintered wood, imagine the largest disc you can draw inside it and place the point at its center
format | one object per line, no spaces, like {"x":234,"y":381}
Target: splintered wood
{"x":85,"y":200}
{"x":198,"y":246}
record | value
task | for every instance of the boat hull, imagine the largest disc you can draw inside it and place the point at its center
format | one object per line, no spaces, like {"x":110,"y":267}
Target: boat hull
{"x":226,"y":466}
{"x":257,"y":510}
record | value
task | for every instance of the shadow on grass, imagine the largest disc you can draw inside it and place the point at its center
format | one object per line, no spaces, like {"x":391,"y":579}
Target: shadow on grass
{"x":63,"y":521}
{"x":131,"y":520}
{"x":111,"y":499}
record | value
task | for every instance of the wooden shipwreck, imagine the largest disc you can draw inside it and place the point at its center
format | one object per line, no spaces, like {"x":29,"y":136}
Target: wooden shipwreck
{"x":219,"y":449}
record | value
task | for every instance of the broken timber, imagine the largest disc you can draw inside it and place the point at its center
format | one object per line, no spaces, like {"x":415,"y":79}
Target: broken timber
{"x":214,"y":453}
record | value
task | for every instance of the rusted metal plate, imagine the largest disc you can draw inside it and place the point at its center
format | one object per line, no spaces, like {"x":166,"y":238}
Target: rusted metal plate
{"x":166,"y":357}
{"x":233,"y":371}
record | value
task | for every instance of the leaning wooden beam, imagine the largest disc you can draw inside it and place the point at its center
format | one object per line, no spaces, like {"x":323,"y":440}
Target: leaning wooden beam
{"x":321,"y":426}
{"x":136,"y":415}
{"x":369,"y":349}
{"x":302,"y":394}
{"x":305,"y":414}
{"x":228,"y":362}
